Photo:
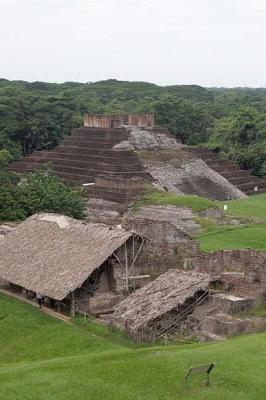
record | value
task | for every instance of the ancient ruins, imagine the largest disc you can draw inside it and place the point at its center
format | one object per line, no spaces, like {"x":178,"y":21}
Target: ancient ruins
{"x":139,"y":269}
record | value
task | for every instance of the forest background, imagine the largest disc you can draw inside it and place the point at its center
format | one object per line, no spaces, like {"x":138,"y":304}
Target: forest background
{"x":37,"y":115}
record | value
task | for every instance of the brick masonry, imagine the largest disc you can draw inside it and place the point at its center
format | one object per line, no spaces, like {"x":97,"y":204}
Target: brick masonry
{"x":118,"y":120}
{"x":241,"y":271}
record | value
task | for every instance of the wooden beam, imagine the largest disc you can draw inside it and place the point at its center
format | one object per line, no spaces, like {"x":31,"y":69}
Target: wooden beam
{"x":72,"y":304}
{"x":126,"y":261}
{"x":136,"y":256}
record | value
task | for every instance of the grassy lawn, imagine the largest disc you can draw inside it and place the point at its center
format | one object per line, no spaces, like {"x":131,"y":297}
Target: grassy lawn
{"x":44,"y":359}
{"x":216,"y":237}
{"x":251,"y":207}
{"x":239,"y":237}
{"x":155,"y":197}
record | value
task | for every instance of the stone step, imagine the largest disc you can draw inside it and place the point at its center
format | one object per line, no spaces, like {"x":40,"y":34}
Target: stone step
{"x":252,"y":192}
{"x":232,"y":304}
{"x":238,"y":180}
{"x":110,"y":167}
{"x":87,"y":144}
{"x":75,"y":179}
{"x":118,"y":158}
{"x":250,"y":185}
{"x":98,"y":136}
{"x":233,"y":174}
{"x":100,"y":132}
{"x":81,"y":174}
{"x":90,"y":152}
{"x":199,"y":150}
{"x":224,"y":163}
{"x":112,"y":195}
{"x":222,"y":168}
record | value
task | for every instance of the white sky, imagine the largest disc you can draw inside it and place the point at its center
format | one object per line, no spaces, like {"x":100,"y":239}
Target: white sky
{"x":205,"y":42}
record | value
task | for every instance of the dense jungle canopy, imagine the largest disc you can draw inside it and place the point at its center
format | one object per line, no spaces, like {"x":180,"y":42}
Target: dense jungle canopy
{"x":232,"y":121}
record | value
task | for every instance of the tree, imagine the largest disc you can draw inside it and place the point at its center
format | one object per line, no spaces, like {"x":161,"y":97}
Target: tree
{"x":189,"y":121}
{"x":241,"y":137}
{"x":39,"y":191}
{"x":44,"y":191}
{"x":9,"y":198}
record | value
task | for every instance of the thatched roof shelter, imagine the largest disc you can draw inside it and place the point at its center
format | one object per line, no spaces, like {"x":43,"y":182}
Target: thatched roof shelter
{"x":53,"y":255}
{"x":164,"y":294}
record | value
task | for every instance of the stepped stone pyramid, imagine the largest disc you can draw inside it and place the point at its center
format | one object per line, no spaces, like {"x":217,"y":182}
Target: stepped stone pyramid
{"x":104,"y":156}
{"x":86,"y":155}
{"x":87,"y":158}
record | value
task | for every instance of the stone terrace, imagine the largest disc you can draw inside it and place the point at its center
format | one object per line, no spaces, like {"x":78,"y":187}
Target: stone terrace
{"x":86,"y":155}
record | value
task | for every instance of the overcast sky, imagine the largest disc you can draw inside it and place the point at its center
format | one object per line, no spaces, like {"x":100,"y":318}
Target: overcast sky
{"x":205,"y":42}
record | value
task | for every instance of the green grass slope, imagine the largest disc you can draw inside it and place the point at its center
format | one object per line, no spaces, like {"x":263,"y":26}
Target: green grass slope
{"x":244,"y":237}
{"x":44,"y":359}
{"x":250,"y":207}
{"x":156,"y":197}
{"x":250,"y":234}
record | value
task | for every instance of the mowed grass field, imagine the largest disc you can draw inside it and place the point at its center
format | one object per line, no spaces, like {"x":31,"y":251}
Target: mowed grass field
{"x":251,"y":211}
{"x":250,"y":235}
{"x":251,"y":207}
{"x":155,"y":197}
{"x":45,"y":359}
{"x":244,"y":237}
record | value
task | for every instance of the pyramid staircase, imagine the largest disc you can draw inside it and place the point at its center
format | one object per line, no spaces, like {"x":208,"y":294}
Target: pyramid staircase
{"x":240,"y":178}
{"x":87,"y":155}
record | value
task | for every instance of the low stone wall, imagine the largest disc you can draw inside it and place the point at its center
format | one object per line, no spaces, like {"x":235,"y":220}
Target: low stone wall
{"x":223,"y":325}
{"x":242,"y":271}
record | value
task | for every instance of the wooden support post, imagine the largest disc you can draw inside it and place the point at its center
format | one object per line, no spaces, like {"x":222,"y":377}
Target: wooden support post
{"x":136,"y":256}
{"x":72,"y":304}
{"x":133,"y":258}
{"x":126,"y":262}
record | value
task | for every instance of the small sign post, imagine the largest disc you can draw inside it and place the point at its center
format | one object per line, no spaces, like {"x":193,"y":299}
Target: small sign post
{"x":202,"y":369}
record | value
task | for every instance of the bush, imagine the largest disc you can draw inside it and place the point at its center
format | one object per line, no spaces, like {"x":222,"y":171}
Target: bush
{"x":39,"y":191}
{"x":44,"y":191}
{"x":9,"y":195}
{"x":5,"y":158}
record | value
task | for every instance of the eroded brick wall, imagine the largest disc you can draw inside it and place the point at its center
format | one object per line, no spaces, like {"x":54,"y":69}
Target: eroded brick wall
{"x":117,"y":120}
{"x":242,"y":271}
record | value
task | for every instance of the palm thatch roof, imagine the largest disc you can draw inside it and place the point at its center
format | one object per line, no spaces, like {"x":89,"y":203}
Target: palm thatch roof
{"x":167,"y":292}
{"x":53,"y":255}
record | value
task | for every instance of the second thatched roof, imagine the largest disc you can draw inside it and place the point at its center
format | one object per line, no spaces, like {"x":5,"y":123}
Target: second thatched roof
{"x":160,"y":296}
{"x":53,"y":255}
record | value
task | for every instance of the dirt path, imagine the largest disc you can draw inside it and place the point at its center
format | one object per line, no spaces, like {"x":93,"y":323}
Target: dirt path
{"x":44,"y":309}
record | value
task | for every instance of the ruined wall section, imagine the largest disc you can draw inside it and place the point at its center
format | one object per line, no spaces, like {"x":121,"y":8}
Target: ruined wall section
{"x":242,"y":271}
{"x":118,"y":120}
{"x":167,"y":246}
